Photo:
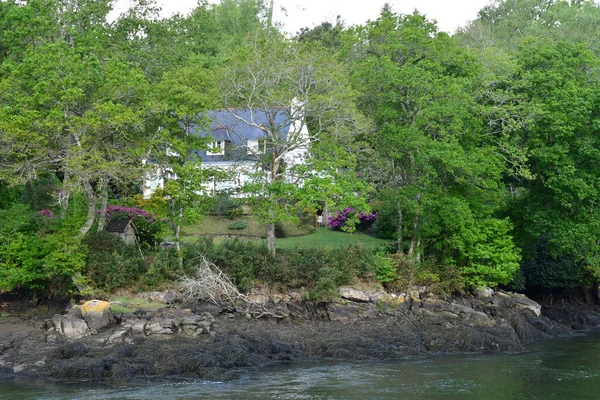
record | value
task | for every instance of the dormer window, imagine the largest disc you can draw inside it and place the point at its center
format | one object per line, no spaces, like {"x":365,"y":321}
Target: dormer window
{"x":256,"y":146}
{"x":216,"y":148}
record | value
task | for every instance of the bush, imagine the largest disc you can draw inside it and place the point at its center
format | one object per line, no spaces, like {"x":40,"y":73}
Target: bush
{"x":111,"y":264}
{"x":39,"y":253}
{"x":148,"y":229}
{"x":548,"y":271}
{"x":226,"y":206}
{"x":349,"y":220}
{"x":407,"y":272}
{"x":238,"y":225}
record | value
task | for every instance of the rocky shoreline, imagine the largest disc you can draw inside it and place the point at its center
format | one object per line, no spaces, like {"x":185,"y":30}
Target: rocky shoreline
{"x":213,"y":343}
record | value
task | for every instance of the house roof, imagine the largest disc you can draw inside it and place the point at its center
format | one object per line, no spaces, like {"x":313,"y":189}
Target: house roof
{"x":118,"y":225}
{"x":229,"y":125}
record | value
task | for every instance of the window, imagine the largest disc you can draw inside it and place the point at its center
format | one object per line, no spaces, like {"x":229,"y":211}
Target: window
{"x":256,"y":146}
{"x":216,"y":148}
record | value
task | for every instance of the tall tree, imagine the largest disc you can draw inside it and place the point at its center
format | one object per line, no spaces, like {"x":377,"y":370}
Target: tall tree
{"x":442,"y":174}
{"x":304,"y":91}
{"x":71,"y":106}
{"x":557,"y":208}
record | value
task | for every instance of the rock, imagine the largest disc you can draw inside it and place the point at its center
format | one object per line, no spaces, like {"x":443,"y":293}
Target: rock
{"x":73,"y":328}
{"x":97,"y":314}
{"x":6,"y":372}
{"x":352,"y":294}
{"x":527,"y":304}
{"x":378,"y":296}
{"x":414,"y":294}
{"x":118,"y":336}
{"x":484,"y":293}
{"x":74,"y":311}
{"x":160,"y":327}
{"x":277,"y":298}
{"x":136,"y":326}
{"x":168,"y":297}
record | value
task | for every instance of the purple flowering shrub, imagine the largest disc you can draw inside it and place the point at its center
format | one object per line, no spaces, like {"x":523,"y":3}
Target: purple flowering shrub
{"x":348,"y":218}
{"x":122,"y":212}
{"x":148,"y":229}
{"x":47,"y":213}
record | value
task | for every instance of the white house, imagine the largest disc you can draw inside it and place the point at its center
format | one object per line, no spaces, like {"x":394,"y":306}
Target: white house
{"x":240,"y":141}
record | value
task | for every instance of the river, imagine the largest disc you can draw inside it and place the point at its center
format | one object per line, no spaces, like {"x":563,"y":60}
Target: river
{"x":555,"y":369}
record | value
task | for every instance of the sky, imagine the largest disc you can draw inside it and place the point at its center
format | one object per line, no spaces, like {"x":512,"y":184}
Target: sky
{"x":295,"y":14}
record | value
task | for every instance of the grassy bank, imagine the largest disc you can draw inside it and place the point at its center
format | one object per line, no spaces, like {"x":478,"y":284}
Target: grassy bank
{"x":211,"y":225}
{"x":326,"y":238}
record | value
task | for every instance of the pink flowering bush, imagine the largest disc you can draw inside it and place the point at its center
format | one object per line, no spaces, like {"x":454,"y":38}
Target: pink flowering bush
{"x":122,"y":212}
{"x":342,"y":219}
{"x":148,"y":229}
{"x":47,"y":213}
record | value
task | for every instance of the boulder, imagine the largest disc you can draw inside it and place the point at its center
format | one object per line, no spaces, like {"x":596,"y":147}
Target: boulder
{"x":352,"y":294}
{"x":484,"y":293}
{"x":97,"y":314}
{"x":70,"y":327}
{"x":136,"y":326}
{"x":160,"y":326}
{"x":168,"y":297}
{"x":527,"y":304}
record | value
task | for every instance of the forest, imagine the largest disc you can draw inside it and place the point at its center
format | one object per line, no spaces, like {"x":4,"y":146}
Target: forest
{"x":478,"y":152}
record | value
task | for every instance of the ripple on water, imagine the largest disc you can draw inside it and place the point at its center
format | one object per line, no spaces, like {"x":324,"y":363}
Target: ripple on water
{"x":558,"y":369}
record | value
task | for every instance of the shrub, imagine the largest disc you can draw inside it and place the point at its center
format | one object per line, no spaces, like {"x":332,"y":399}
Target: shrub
{"x":238,"y":225}
{"x":148,"y":229}
{"x":227,"y":206}
{"x":38,"y":253}
{"x":440,"y":278}
{"x":111,"y":264}
{"x":349,"y":219}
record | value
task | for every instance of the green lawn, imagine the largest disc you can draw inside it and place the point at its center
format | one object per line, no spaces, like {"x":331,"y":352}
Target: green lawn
{"x":298,"y":235}
{"x":322,"y":237}
{"x":214,"y":225}
{"x":325,"y":237}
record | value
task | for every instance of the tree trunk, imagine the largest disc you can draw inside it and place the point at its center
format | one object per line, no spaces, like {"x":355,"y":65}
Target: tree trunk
{"x":413,"y":241}
{"x":178,"y":232}
{"x":399,"y":246}
{"x":91,"y":203}
{"x":104,"y":204}
{"x":325,"y":216}
{"x":271,"y":238}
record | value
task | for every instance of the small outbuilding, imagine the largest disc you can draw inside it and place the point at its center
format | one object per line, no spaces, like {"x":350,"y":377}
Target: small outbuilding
{"x":122,"y":228}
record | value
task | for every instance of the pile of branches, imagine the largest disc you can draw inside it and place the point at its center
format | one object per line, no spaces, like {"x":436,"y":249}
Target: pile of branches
{"x":210,"y":284}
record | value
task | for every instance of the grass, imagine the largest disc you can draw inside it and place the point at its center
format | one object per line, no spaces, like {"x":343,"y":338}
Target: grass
{"x":214,"y":225}
{"x":129,"y":304}
{"x":322,"y":237}
{"x":325,"y":237}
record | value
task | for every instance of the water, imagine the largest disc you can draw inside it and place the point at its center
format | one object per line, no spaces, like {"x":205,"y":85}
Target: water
{"x":558,"y":369}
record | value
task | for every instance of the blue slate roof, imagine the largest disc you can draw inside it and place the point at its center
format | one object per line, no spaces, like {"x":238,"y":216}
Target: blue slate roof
{"x":225,"y":126}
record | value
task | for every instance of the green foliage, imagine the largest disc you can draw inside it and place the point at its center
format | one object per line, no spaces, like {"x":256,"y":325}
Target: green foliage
{"x":39,"y":254}
{"x":111,"y":264}
{"x":246,"y":264}
{"x":238,"y":225}
{"x":440,"y":278}
{"x":479,"y":149}
{"x":225,"y":205}
{"x":384,"y":268}
{"x":548,"y":271}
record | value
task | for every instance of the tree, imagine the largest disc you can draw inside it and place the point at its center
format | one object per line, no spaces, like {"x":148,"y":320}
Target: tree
{"x":558,"y":206}
{"x":181,"y":99}
{"x":503,"y":24}
{"x":301,"y":91}
{"x":71,"y":106}
{"x":431,"y":158}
